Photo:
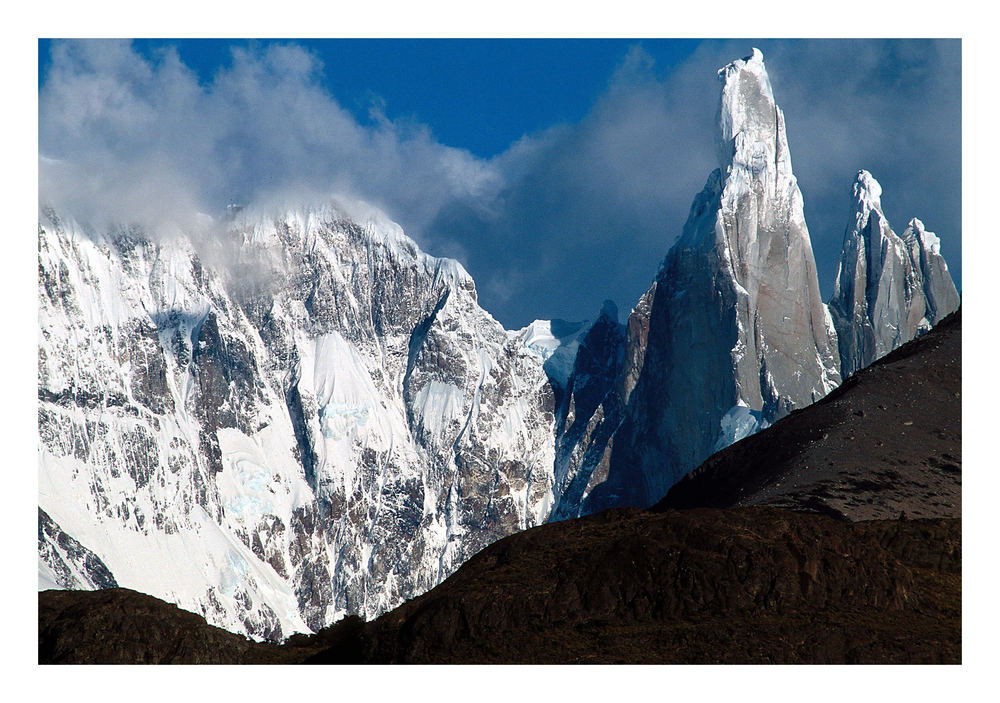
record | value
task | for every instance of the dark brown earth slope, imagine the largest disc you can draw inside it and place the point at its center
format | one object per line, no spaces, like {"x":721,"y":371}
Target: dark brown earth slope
{"x":120,"y":626}
{"x":887,"y":441}
{"x":752,"y":585}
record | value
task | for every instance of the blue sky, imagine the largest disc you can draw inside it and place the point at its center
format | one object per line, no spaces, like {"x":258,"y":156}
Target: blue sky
{"x":478,"y":94}
{"x":558,"y":171}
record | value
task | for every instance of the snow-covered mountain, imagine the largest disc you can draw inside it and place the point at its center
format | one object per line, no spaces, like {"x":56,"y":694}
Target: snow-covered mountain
{"x":889,"y":288}
{"x":296,"y":414}
{"x":733,"y":333}
{"x":327,"y":424}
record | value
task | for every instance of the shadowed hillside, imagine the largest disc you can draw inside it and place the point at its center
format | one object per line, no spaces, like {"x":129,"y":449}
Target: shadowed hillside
{"x":753,"y":585}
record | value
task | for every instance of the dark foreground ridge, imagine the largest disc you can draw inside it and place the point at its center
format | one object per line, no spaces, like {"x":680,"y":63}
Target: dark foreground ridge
{"x":756,"y":585}
{"x":795,"y":549}
{"x":121,"y":626}
{"x":751,"y":585}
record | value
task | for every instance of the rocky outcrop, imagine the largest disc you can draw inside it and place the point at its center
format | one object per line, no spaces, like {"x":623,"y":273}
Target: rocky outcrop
{"x":587,"y":411}
{"x":64,"y":563}
{"x":889,"y":288}
{"x":733,"y":334}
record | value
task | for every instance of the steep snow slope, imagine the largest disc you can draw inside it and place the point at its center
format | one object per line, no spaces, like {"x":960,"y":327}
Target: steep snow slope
{"x":327,"y":423}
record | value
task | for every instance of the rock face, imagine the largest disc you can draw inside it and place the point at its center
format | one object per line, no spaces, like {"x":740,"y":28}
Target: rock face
{"x":889,"y":288}
{"x":65,"y":563}
{"x":586,"y":409}
{"x":324,"y":423}
{"x":733,"y":333}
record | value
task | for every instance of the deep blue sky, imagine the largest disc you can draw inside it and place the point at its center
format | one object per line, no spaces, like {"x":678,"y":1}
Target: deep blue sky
{"x":558,"y":171}
{"x":477,"y":94}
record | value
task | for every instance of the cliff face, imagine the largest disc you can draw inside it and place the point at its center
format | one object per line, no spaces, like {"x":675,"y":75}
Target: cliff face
{"x":733,"y":333}
{"x":886,"y":443}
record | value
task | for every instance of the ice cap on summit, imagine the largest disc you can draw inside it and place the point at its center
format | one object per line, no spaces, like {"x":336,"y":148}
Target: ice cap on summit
{"x":867,"y":190}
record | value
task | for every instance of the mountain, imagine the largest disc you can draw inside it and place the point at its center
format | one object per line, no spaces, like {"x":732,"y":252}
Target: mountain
{"x":733,"y":334}
{"x":311,"y":420}
{"x":739,"y":564}
{"x":889,"y":288}
{"x":581,"y":404}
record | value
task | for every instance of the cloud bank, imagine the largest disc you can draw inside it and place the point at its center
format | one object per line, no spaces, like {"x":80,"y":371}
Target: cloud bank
{"x":549,"y":228}
{"x":123,"y":137}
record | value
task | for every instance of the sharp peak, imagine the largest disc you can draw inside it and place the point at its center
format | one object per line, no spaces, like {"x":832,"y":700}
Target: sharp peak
{"x":753,"y":63}
{"x":609,"y":310}
{"x":917,"y":230}
{"x":867,"y":192}
{"x":747,"y":107}
{"x":864,"y":176}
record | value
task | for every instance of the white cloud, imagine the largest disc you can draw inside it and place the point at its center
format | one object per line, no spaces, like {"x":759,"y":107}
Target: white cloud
{"x":125,"y":137}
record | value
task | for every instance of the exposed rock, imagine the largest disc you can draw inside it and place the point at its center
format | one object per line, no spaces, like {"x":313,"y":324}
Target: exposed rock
{"x":733,"y":334}
{"x":65,"y":563}
{"x":588,"y":412}
{"x":321,"y":422}
{"x":889,"y":289}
